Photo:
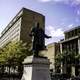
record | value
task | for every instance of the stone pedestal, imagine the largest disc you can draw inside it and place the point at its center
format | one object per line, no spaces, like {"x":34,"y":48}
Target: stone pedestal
{"x":36,"y":68}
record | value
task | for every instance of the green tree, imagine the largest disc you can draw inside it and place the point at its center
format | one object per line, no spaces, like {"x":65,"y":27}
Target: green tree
{"x":67,"y":58}
{"x":15,"y":50}
{"x":14,"y":54}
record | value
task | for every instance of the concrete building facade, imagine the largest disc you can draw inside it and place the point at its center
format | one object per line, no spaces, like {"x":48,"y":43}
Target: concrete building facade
{"x":71,"y":43}
{"x":52,"y":50}
{"x":20,"y":26}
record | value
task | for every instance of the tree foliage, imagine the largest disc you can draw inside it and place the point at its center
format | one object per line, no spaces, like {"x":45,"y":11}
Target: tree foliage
{"x":14,"y":52}
{"x":69,"y":57}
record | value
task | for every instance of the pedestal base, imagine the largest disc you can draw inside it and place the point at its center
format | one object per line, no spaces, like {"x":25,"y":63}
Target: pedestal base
{"x":36,"y":68}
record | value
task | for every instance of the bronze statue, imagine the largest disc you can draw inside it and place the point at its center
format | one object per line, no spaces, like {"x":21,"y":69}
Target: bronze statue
{"x":38,"y":41}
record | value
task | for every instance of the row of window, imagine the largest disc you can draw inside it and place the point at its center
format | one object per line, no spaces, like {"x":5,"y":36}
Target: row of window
{"x":11,"y":34}
{"x":71,"y":46}
{"x":72,"y":33}
{"x":13,"y":21}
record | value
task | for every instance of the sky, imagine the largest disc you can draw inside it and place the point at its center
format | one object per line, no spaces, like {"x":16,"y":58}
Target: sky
{"x":60,"y":15}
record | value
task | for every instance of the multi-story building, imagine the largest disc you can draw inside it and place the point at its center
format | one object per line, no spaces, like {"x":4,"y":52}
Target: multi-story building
{"x":20,"y":26}
{"x":52,"y":50}
{"x":71,"y":43}
{"x":19,"y":29}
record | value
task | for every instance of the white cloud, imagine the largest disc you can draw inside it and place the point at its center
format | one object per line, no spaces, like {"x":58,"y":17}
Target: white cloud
{"x":72,"y":2}
{"x":78,"y":12}
{"x":70,"y":25}
{"x":77,"y":2}
{"x":55,"y":32}
{"x":44,"y":0}
{"x":50,"y":0}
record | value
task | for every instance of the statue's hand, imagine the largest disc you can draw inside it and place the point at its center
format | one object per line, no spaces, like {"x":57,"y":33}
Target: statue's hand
{"x":30,"y":35}
{"x":49,"y":36}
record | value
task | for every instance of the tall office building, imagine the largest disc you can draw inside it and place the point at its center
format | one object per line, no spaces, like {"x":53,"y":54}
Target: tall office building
{"x":20,"y":26}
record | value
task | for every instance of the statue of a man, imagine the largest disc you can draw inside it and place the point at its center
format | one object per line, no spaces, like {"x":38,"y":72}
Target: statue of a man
{"x":38,"y":40}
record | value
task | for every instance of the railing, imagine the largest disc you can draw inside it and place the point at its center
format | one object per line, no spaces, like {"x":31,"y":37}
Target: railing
{"x":10,"y":72}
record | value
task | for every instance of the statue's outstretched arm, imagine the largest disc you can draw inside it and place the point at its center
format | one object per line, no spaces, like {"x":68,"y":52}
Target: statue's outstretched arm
{"x":46,"y":36}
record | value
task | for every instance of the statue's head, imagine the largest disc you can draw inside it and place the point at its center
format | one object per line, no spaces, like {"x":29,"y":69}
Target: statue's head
{"x":37,"y":25}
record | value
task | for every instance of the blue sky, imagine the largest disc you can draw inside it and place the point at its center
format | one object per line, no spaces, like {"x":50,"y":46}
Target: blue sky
{"x":61,"y":15}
